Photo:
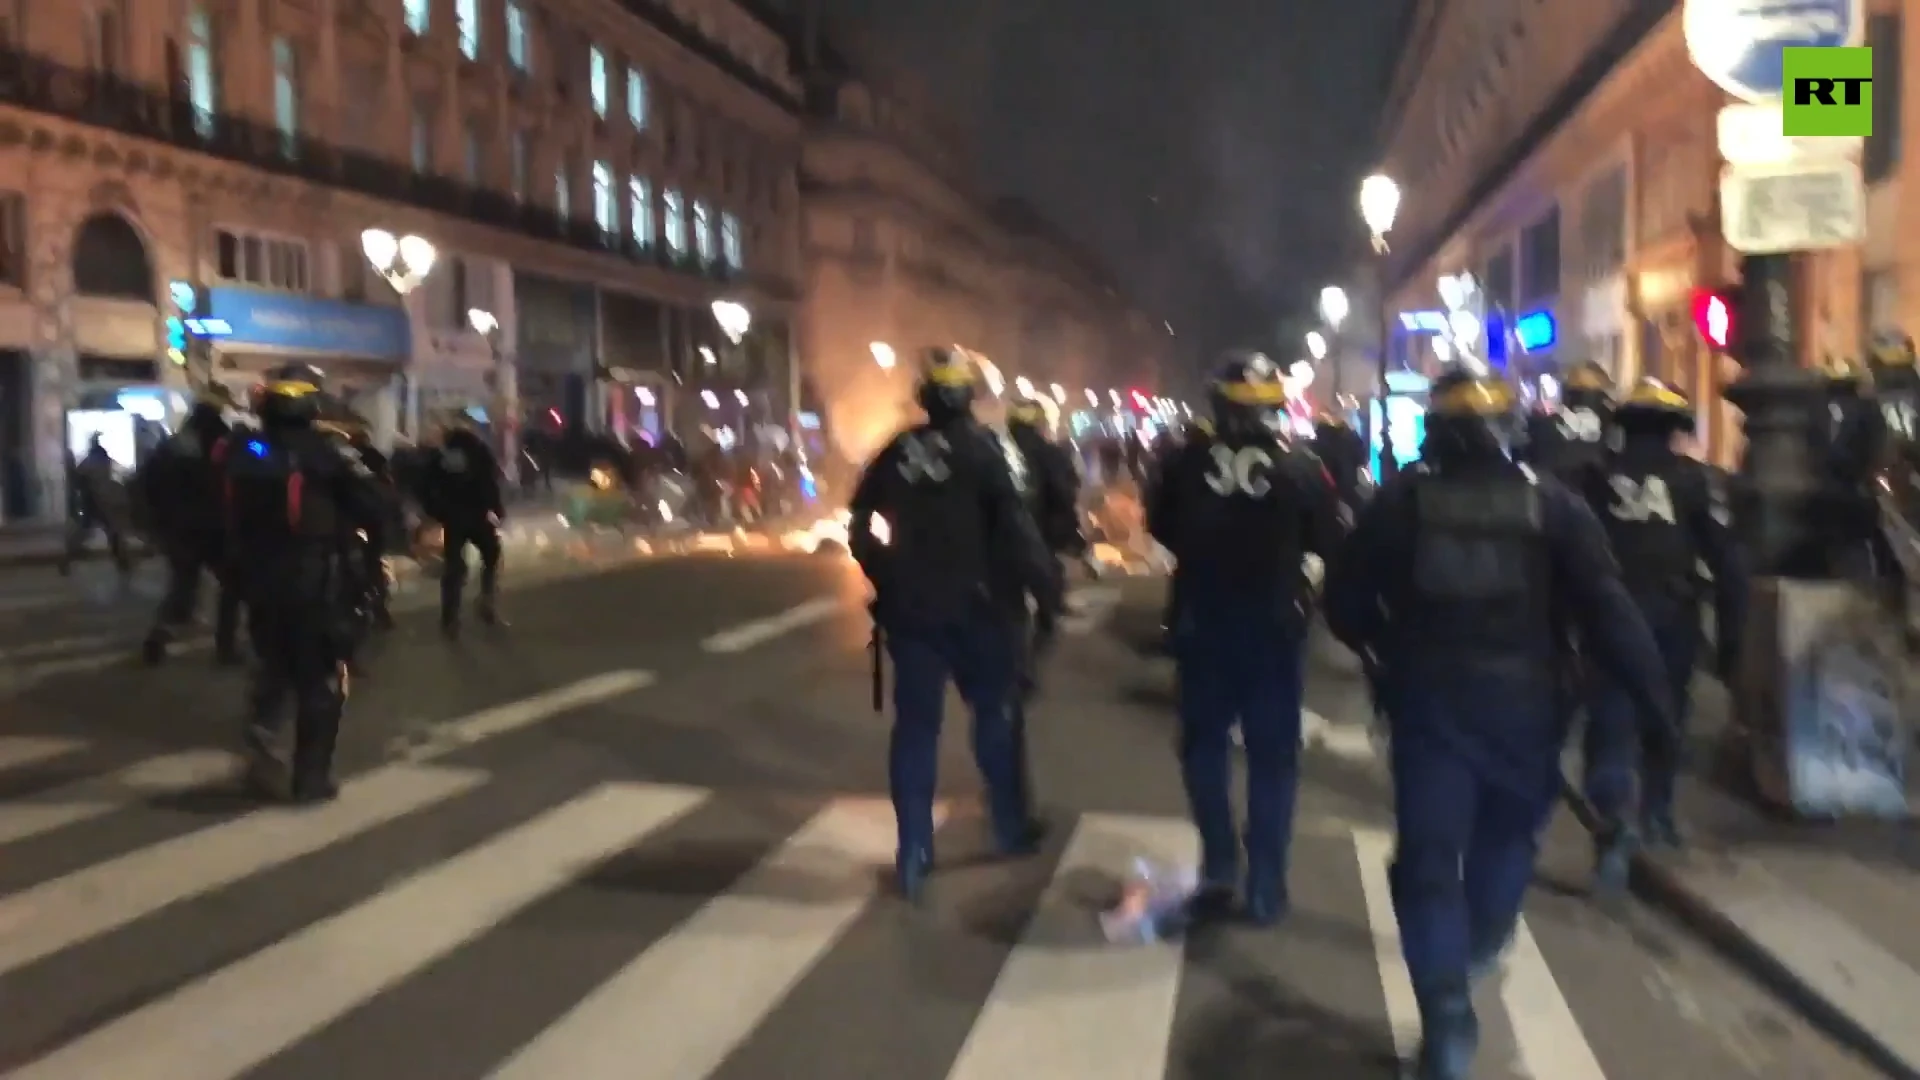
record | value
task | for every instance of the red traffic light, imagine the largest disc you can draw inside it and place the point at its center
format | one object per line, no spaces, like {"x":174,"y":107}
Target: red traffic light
{"x":1713,"y":312}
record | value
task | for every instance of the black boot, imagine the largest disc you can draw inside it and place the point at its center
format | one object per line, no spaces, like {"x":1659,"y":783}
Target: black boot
{"x":314,"y":737}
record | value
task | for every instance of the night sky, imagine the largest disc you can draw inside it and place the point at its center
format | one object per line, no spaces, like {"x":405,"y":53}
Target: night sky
{"x":1208,"y":151}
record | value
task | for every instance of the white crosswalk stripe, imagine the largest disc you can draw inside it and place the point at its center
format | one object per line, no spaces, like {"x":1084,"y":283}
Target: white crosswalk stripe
{"x":690,"y":1000}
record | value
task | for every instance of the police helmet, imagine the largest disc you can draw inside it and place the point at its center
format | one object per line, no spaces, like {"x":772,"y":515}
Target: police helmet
{"x":1590,"y":377}
{"x":1472,"y":413}
{"x":1893,"y":349}
{"x":1654,"y":403}
{"x":949,"y":381}
{"x":1248,"y":393}
{"x":1029,"y":411}
{"x":291,"y":400}
{"x":1845,"y":376}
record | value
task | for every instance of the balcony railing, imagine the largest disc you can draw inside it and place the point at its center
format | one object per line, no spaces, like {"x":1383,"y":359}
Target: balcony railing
{"x":36,"y":84}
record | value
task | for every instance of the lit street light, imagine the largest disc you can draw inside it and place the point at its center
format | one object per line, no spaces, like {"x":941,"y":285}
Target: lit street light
{"x":1023,"y":386}
{"x":1316,"y":345}
{"x":1334,"y":306}
{"x":1059,"y":394}
{"x":404,"y":261}
{"x":883,"y":355}
{"x":1379,"y":205}
{"x":734,"y":319}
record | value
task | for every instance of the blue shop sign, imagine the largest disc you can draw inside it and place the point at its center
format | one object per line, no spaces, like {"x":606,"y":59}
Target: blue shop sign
{"x":298,"y":323}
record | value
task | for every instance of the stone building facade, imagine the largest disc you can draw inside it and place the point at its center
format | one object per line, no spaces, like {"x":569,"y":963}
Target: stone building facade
{"x":1566,"y":155}
{"x":903,"y":252}
{"x":640,"y":157}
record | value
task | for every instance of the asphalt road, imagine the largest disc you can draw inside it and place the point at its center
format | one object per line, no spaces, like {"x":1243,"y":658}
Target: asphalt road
{"x":640,"y":834}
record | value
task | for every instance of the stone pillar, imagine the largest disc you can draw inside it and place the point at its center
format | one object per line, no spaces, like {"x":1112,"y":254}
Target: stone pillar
{"x":244,"y":58}
{"x":323,"y":103}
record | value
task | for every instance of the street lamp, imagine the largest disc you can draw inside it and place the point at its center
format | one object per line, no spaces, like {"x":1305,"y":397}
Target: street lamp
{"x":883,"y":355}
{"x":1334,"y":306}
{"x":734,"y":319}
{"x":1379,"y":205}
{"x":1316,"y":345}
{"x":404,"y":261}
{"x":1059,"y":394}
{"x":1023,"y":386}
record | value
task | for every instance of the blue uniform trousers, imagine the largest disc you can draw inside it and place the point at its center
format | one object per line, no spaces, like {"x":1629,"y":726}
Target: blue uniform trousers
{"x":1248,"y":670}
{"x":981,"y":655}
{"x":1613,"y":758}
{"x":1467,"y":835}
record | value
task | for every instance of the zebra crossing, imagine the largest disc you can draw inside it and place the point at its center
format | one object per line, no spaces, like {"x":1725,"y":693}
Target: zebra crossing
{"x":444,"y":921}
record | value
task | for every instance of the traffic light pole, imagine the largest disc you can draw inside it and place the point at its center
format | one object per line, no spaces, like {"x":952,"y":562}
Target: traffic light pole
{"x":1776,"y":500}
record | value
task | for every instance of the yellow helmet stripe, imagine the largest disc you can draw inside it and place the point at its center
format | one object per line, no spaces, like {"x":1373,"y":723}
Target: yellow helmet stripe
{"x":1252,"y":393}
{"x":1482,"y":397}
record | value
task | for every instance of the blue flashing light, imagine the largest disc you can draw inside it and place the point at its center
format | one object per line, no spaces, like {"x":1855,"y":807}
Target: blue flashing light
{"x":176,"y":333}
{"x":1496,"y":333}
{"x":1536,"y":331}
{"x":256,"y":448}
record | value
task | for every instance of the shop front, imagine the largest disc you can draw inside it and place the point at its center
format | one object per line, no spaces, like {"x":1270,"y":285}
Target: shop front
{"x":555,"y":356}
{"x":638,"y":376}
{"x":362,"y":348}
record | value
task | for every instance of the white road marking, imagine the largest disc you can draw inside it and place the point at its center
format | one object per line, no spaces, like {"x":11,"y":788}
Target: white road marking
{"x":1552,"y":1046}
{"x":59,"y":914}
{"x":21,"y":751}
{"x":497,"y":720}
{"x":753,"y":634}
{"x":1097,"y":1010}
{"x":226,"y":1024}
{"x":726,"y":967}
{"x":85,"y":800}
{"x":1374,"y":849}
{"x":1091,"y":607}
{"x":31,"y":649}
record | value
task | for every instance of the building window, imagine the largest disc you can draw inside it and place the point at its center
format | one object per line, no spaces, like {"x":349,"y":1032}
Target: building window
{"x":108,"y":39}
{"x":597,"y":79}
{"x":731,"y":252}
{"x":518,"y":178}
{"x":562,"y":193}
{"x":606,"y":207}
{"x":422,"y":139}
{"x":286,"y":96}
{"x":419,"y":15}
{"x":640,"y":212}
{"x":201,"y":88}
{"x":1540,"y":258}
{"x":517,"y":52}
{"x":466,"y":18}
{"x":1497,"y":283}
{"x":473,"y":154}
{"x":264,"y":261}
{"x":702,"y":231}
{"x":1883,"y":146}
{"x":13,"y":239}
{"x":673,"y":212}
{"x":456,"y":313}
{"x":637,"y":98}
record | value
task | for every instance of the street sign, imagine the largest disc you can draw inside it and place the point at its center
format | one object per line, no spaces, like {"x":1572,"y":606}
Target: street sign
{"x":1772,"y":209}
{"x":1737,"y":43}
{"x":1750,"y":134}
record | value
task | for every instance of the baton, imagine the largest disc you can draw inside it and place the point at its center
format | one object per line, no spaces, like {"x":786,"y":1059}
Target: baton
{"x":875,"y":645}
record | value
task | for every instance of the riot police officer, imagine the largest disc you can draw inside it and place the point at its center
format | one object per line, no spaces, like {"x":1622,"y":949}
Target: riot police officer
{"x":941,"y":531}
{"x":1053,"y":484}
{"x":1240,"y":513}
{"x":461,"y":490}
{"x":294,"y":501}
{"x":1574,"y":436}
{"x":181,"y":484}
{"x":1455,"y":585}
{"x":1344,"y":453}
{"x":1658,"y":508}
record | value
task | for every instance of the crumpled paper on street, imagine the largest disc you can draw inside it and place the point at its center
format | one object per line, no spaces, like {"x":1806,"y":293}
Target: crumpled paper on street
{"x":1152,"y":906}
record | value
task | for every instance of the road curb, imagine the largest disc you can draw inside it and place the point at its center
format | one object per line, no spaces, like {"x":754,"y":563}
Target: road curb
{"x":1663,"y":886}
